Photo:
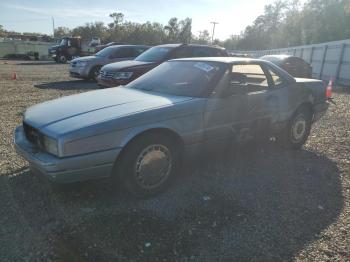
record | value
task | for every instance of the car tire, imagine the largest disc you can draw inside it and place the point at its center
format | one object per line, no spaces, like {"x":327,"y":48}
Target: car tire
{"x":148,"y":164}
{"x":94,"y":72}
{"x":297,"y":130}
{"x":62,"y":59}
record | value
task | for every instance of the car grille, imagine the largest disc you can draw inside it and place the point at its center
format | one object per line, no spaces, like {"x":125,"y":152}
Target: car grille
{"x":106,"y":74}
{"x":32,"y":135}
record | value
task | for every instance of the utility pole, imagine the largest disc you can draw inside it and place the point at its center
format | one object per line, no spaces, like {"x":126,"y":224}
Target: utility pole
{"x":53,"y":26}
{"x":212,"y":36}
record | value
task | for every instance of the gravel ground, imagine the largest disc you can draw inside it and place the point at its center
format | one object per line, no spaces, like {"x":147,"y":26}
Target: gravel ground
{"x":252,"y":203}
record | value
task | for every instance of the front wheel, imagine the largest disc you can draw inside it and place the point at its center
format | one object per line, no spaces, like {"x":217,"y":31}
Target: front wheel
{"x":297,"y":130}
{"x":148,"y":164}
{"x":62,"y":59}
{"x":94,"y":73}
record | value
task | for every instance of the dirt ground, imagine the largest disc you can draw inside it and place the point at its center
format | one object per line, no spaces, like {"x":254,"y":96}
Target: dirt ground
{"x":253,"y":203}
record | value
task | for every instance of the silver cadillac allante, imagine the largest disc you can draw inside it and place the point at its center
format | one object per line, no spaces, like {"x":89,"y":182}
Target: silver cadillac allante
{"x":140,"y":132}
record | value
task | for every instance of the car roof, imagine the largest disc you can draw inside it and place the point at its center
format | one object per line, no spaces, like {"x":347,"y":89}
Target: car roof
{"x":226,"y":60}
{"x":194,"y":45}
{"x":169,"y":45}
{"x":277,"y":58}
{"x":118,"y":46}
{"x":234,"y":60}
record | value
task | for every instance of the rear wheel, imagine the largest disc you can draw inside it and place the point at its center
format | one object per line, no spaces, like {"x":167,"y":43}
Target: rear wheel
{"x":297,"y":130}
{"x":148,"y":164}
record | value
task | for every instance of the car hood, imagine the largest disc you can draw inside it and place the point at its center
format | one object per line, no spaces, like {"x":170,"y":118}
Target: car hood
{"x":54,"y":47}
{"x":74,"y":112}
{"x":126,"y":65}
{"x":85,"y":58}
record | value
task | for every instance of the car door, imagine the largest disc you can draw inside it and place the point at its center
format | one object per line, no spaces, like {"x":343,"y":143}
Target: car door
{"x":221,"y":112}
{"x":259,"y":100}
{"x":279,"y":99}
{"x":243,"y":113}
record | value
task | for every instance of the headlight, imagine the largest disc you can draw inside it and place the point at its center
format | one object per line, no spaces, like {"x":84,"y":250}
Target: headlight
{"x":123,"y":75}
{"x":50,"y":145}
{"x":81,"y":63}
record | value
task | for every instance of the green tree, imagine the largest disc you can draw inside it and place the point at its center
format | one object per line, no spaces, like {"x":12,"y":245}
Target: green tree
{"x":2,"y":31}
{"x":172,"y":29}
{"x":185,"y":30}
{"x":118,"y":19}
{"x":288,"y":23}
{"x":203,"y":38}
{"x":232,"y":42}
{"x":62,"y":31}
{"x":90,"y":30}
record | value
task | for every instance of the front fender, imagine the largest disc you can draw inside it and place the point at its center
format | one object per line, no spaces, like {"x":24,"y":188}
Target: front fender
{"x":141,"y":129}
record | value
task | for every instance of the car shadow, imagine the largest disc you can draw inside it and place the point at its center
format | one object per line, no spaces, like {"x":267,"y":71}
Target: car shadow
{"x":68,"y":85}
{"x":251,"y":203}
{"x":37,"y":63}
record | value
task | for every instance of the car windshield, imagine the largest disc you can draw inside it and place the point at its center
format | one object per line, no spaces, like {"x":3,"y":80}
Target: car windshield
{"x":154,"y":54}
{"x":180,"y":78}
{"x":64,"y":41}
{"x":105,"y":52}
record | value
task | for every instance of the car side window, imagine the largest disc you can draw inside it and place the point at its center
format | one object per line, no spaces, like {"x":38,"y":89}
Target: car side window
{"x":181,"y":52}
{"x":218,"y":52}
{"x":138,"y":51}
{"x":127,"y":52}
{"x":116,"y":53}
{"x":277,"y":80}
{"x":122,"y":53}
{"x":249,"y":77}
{"x":201,"y":52}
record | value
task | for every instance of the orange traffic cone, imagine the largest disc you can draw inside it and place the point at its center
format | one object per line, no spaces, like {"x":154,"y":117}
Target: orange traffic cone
{"x":14,"y":76}
{"x":329,"y":88}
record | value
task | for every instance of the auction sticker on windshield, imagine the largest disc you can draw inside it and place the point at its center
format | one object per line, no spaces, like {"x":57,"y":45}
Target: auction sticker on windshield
{"x":203,"y":66}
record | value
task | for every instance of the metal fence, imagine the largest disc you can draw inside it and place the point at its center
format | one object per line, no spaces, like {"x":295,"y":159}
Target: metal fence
{"x":328,"y":60}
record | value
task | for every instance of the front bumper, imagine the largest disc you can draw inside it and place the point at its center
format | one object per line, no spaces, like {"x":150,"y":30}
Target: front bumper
{"x":103,"y":82}
{"x":65,"y":170}
{"x":79,"y":72}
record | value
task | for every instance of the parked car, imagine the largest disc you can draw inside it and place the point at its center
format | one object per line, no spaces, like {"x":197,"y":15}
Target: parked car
{"x":139,"y":132}
{"x":122,"y":73}
{"x":89,"y":67}
{"x":295,"y":66}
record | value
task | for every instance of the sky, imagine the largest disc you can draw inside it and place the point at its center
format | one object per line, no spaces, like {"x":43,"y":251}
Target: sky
{"x":36,"y":15}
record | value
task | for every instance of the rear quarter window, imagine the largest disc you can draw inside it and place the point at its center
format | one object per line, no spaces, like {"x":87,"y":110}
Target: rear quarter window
{"x":219,"y":52}
{"x":201,"y":52}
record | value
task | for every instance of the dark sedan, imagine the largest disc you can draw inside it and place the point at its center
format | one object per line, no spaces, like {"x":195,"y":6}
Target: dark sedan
{"x":121,"y":73}
{"x":295,"y":66}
